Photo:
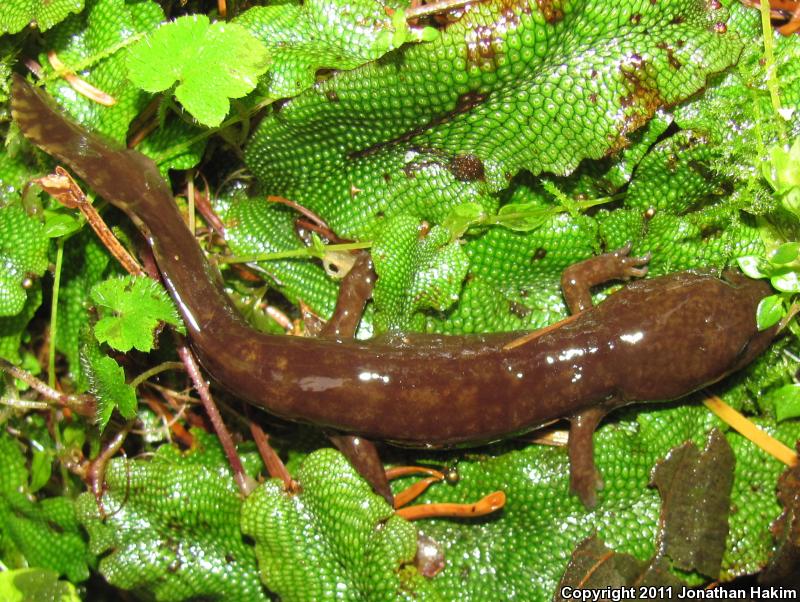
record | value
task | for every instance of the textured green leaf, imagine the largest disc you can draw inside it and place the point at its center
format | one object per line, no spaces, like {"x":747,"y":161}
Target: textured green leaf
{"x":12,"y":328}
{"x":99,"y":36}
{"x":45,"y":532}
{"x":17,"y":14}
{"x":256,"y":227}
{"x":107,"y":383}
{"x":166,"y":145}
{"x":36,"y":585}
{"x":524,"y":216}
{"x":335,"y":539}
{"x":429,"y":116}
{"x":211,"y":63}
{"x":461,"y":218}
{"x":429,"y":277}
{"x":786,"y":253}
{"x":130,"y":311}
{"x":60,"y":223}
{"x":787,"y":401}
{"x":15,"y":170}
{"x":529,"y":546}
{"x":23,"y":256}
{"x":321,"y":34}
{"x":781,"y":170}
{"x":786,"y":281}
{"x":86,"y":262}
{"x":754,"y":267}
{"x":171,"y":528}
{"x":690,"y":201}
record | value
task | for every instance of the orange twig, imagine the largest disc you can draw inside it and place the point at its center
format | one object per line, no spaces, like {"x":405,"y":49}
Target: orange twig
{"x":749,"y":430}
{"x":81,"y":86}
{"x":409,"y":494}
{"x":407,"y":471}
{"x":176,"y":428}
{"x":486,"y":505}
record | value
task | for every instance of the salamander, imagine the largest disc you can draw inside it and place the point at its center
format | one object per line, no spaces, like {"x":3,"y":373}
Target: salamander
{"x":657,"y":339}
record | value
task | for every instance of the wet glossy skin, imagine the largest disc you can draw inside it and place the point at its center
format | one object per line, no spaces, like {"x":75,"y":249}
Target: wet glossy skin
{"x":657,"y":339}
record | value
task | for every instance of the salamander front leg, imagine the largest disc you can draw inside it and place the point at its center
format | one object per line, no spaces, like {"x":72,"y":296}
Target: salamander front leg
{"x":576,"y":284}
{"x":584,"y":478}
{"x":354,"y":292}
{"x":577,"y":280}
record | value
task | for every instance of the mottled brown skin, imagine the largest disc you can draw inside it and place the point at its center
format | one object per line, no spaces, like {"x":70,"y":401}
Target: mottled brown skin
{"x":657,"y":339}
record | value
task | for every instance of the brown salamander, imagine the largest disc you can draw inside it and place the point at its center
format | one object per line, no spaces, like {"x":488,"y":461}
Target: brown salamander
{"x":657,"y":339}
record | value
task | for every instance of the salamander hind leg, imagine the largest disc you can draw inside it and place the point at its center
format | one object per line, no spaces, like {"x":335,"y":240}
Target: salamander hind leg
{"x":578,"y":280}
{"x":584,"y":478}
{"x":355,"y":291}
{"x":363,"y":456}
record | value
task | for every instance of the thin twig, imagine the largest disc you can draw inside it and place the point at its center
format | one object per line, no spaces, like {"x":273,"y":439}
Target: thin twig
{"x":486,"y":505}
{"x":96,"y":473}
{"x":304,"y":211}
{"x":81,"y":404}
{"x":750,"y":430}
{"x":275,"y":466}
{"x":162,"y":367}
{"x":81,"y":86}
{"x":63,"y":187}
{"x":172,"y":424}
{"x":245,"y":483}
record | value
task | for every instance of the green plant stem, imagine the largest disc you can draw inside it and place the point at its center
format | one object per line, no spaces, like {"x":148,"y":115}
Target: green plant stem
{"x":304,"y":253}
{"x":162,"y":367}
{"x":51,"y":359}
{"x":773,"y":85}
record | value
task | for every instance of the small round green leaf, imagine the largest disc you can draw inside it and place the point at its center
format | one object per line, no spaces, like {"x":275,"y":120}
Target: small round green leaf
{"x":786,"y":253}
{"x":461,"y":217}
{"x":787,"y":282}
{"x":769,"y":311}
{"x":787,"y":401}
{"x":752,"y":266}
{"x":58,"y":224}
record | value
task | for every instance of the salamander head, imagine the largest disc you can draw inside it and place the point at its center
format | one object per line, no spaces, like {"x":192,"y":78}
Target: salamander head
{"x":752,"y":292}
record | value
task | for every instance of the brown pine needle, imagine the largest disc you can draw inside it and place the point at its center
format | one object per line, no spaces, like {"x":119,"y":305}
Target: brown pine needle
{"x":749,"y":430}
{"x":66,"y":191}
{"x":527,"y":338}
